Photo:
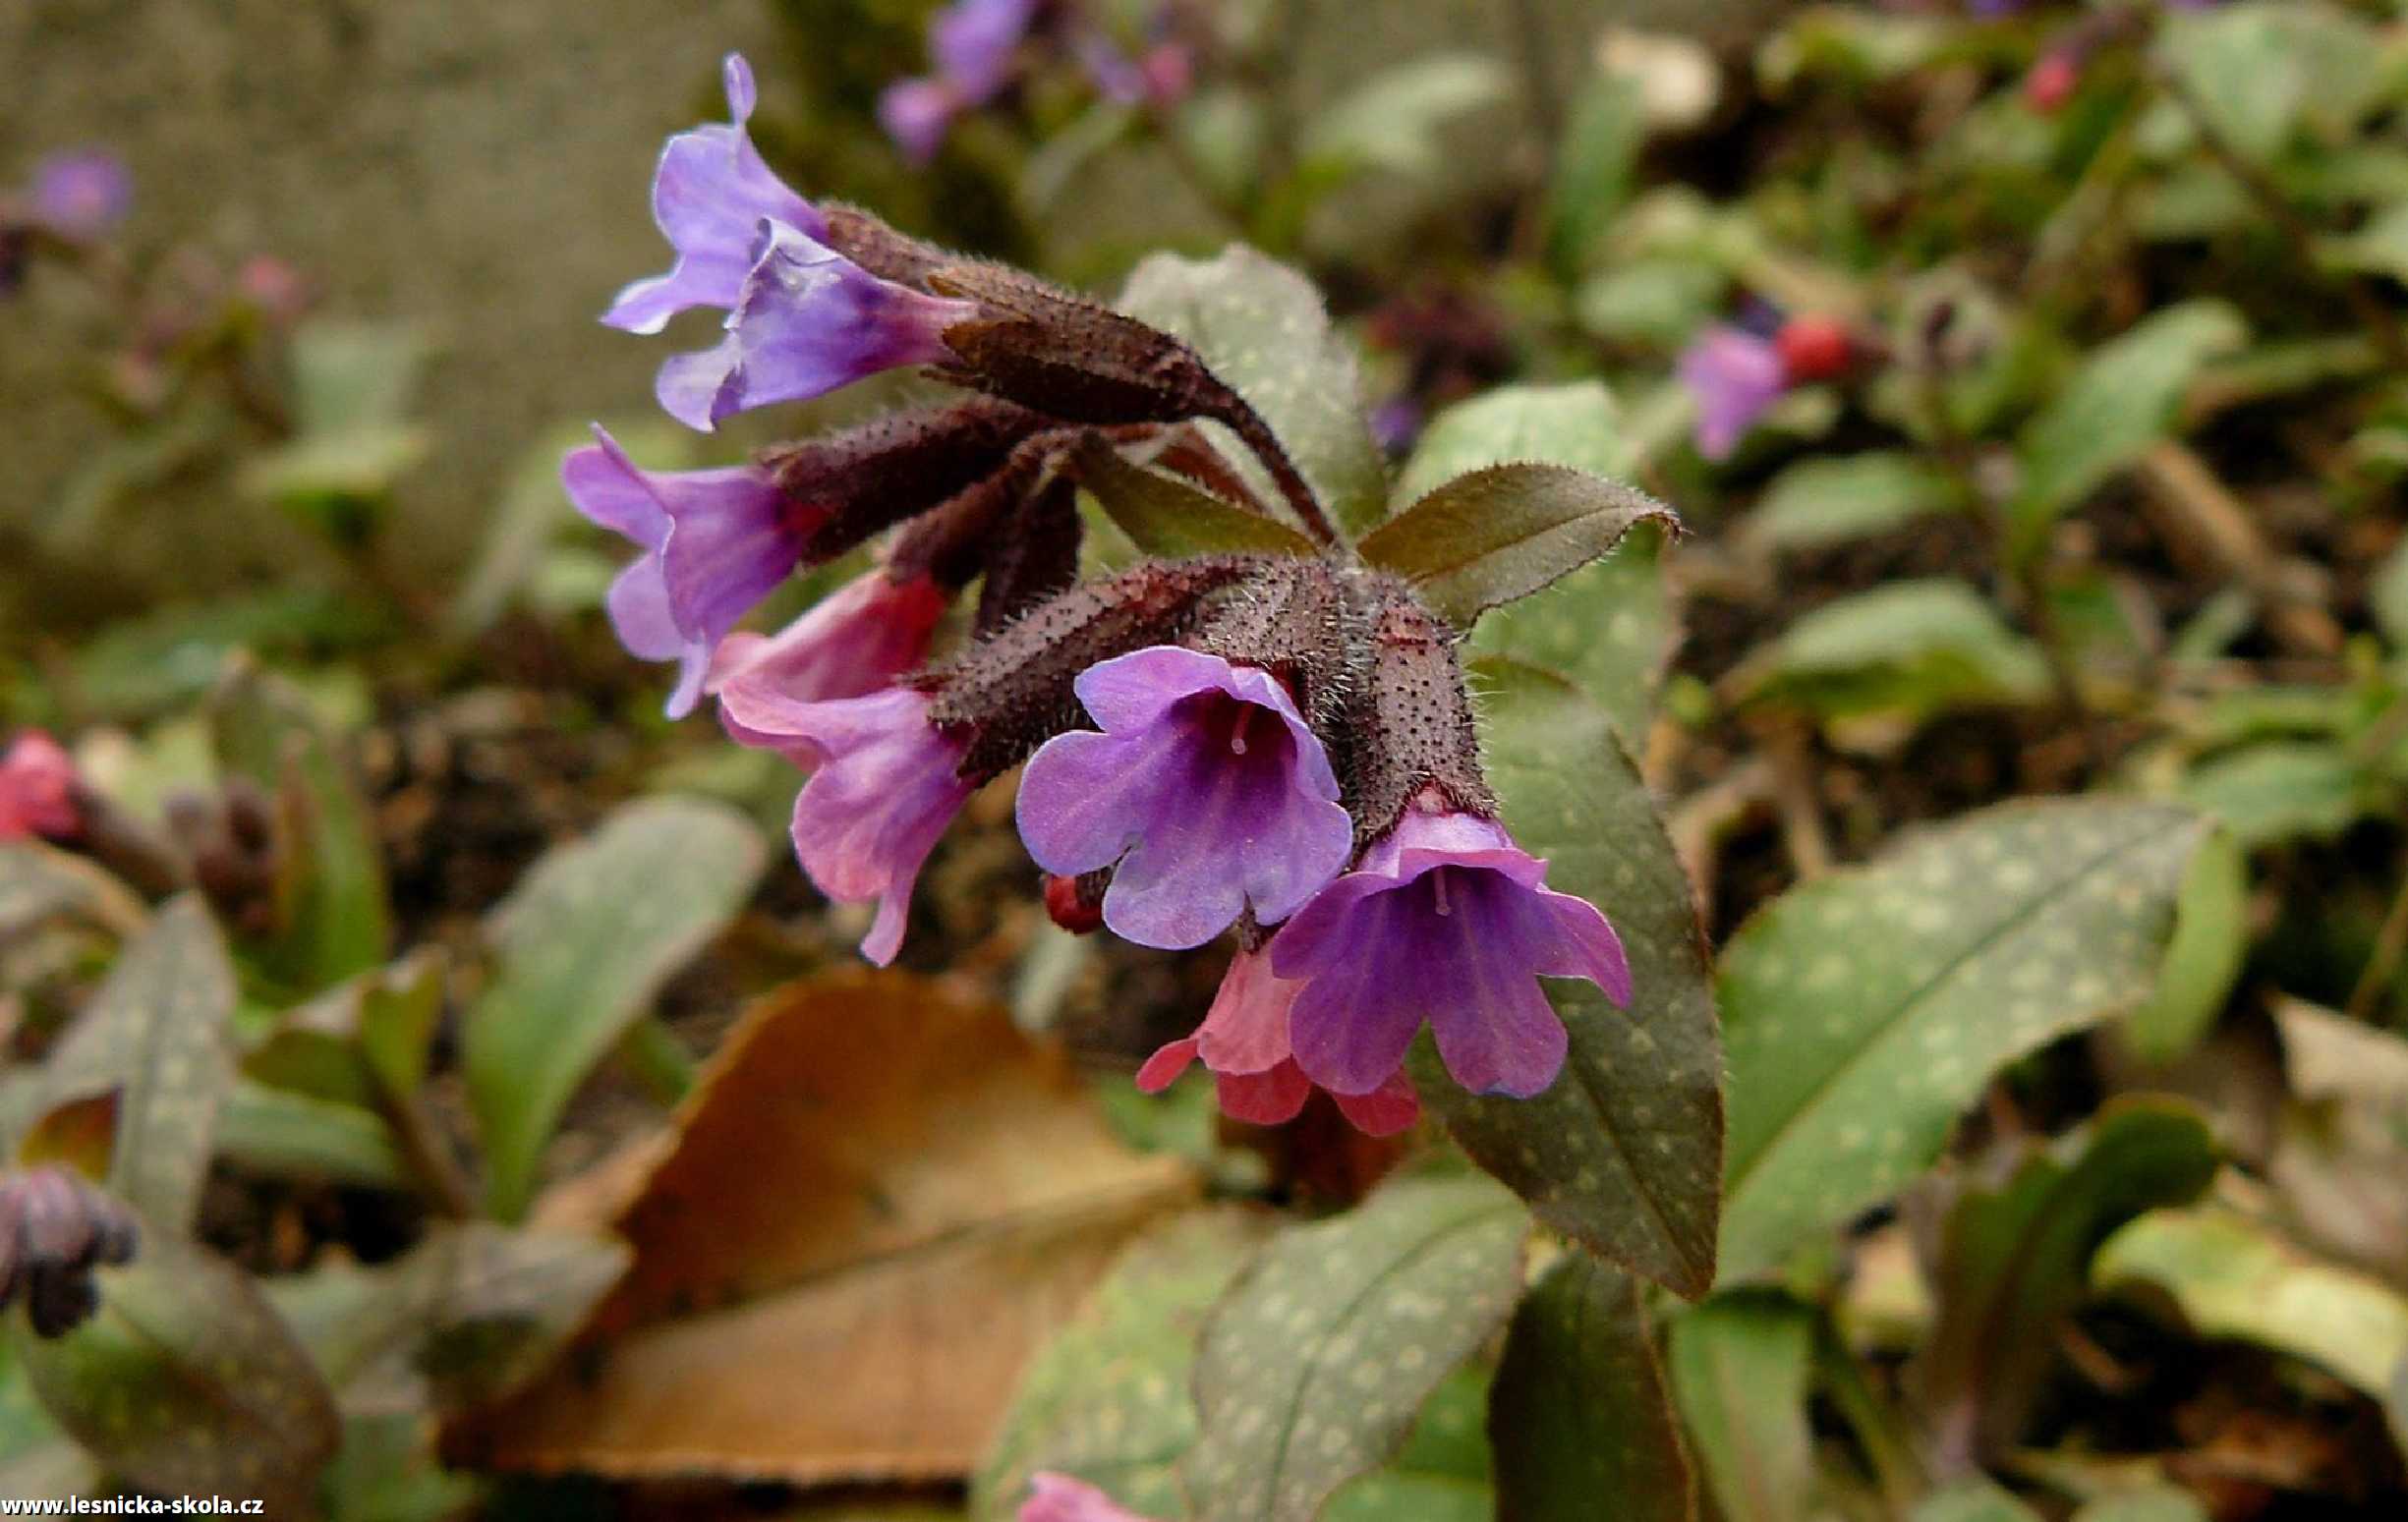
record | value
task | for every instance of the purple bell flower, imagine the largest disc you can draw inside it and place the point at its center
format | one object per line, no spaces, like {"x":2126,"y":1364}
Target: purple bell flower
{"x":1206,"y":787}
{"x":715,"y":543}
{"x":1735,"y":375}
{"x":807,"y":321}
{"x":973,"y":43}
{"x":917,"y":114}
{"x":1444,"y":919}
{"x":849,"y":644}
{"x":82,"y":193}
{"x":887,"y":784}
{"x":710,"y":197}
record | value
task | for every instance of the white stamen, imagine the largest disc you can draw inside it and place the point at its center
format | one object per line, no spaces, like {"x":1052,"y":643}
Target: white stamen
{"x":1438,"y":887}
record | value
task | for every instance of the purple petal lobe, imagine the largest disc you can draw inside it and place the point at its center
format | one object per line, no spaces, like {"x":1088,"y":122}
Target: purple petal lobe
{"x":1735,"y":377}
{"x":1206,"y":786}
{"x":711,"y":192}
{"x":973,"y":43}
{"x":917,"y":114}
{"x":83,"y":194}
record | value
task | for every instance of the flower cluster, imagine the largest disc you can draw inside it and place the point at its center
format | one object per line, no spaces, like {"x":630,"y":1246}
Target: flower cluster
{"x":1275,"y":745}
{"x":976,"y":47}
{"x":1734,"y":372}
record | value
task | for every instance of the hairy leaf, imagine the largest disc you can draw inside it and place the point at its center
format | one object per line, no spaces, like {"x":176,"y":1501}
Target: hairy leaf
{"x":1624,"y":1151}
{"x":1167,"y":515}
{"x":1866,"y":1010}
{"x":1492,"y":535}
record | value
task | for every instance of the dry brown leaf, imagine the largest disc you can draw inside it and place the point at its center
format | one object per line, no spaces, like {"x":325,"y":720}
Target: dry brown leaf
{"x":880,"y":1202}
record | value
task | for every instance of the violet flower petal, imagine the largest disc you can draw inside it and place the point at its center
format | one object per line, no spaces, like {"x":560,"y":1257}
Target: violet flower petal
{"x":1735,"y":377}
{"x":711,"y":192}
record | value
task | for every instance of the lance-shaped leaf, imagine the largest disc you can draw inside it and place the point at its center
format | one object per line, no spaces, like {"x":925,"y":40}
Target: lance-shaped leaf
{"x":2234,"y":1277}
{"x":1610,"y":627}
{"x":1172,"y":518}
{"x":2013,"y":1262}
{"x":155,"y":1033}
{"x":1580,"y":1409}
{"x":1108,"y":1399}
{"x":1624,"y":1151}
{"x":1314,"y":1365}
{"x":1739,"y":1366}
{"x":2203,"y":958}
{"x":1866,"y":1010}
{"x":337,"y":918}
{"x":1492,"y":535}
{"x":585,"y":942}
{"x":1262,"y":328}
{"x":187,"y":1382}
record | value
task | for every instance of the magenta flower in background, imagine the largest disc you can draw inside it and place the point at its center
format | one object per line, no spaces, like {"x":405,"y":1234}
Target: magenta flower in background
{"x":972,"y":43}
{"x":1206,"y":786}
{"x":849,"y":644}
{"x":888,"y":783}
{"x":715,"y":543}
{"x":1054,"y":1498}
{"x":710,"y":197}
{"x":82,"y":193}
{"x":1243,"y":1041}
{"x":807,"y":321}
{"x":1444,"y":919}
{"x":917,"y":114}
{"x":37,"y":782}
{"x":1734,"y":376}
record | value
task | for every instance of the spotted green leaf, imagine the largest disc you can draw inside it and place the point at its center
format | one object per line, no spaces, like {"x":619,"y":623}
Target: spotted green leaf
{"x":1623,"y":1153}
{"x":1739,"y":1368}
{"x":2232,"y":1276}
{"x":1494,"y":534}
{"x":1578,"y":425}
{"x":187,"y":1382}
{"x":1442,"y":1473}
{"x":1866,"y":1010}
{"x":336,"y":917}
{"x":1316,"y":1362}
{"x":1108,"y":1399}
{"x":156,"y":1035}
{"x":1581,"y":1408}
{"x":583,"y":943}
{"x":2013,"y":1262}
{"x":1262,"y":328}
{"x":1164,"y":515}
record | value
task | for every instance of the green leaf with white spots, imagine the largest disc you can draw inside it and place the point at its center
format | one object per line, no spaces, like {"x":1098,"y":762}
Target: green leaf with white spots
{"x":1581,"y":1408}
{"x":187,"y":1382}
{"x":1485,"y":538}
{"x":1108,"y":1399}
{"x":2013,"y":1262}
{"x":584,"y":942}
{"x":1262,"y":328}
{"x":1739,"y":1366}
{"x":1166,"y":514}
{"x":2124,"y":398}
{"x":156,"y":1035}
{"x":1865,"y":1011}
{"x":2231,"y":1276}
{"x":1623,"y":1153}
{"x":337,"y":920}
{"x":1442,"y":1473}
{"x":1315,"y":1364}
